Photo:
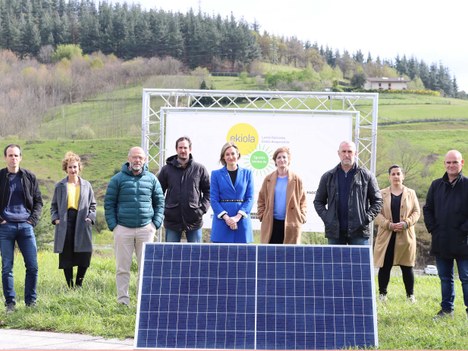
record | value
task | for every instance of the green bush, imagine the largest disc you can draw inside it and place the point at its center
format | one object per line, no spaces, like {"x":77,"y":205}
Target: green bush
{"x":44,"y":230}
{"x":84,"y":133}
{"x":101,"y":223}
{"x":67,"y":51}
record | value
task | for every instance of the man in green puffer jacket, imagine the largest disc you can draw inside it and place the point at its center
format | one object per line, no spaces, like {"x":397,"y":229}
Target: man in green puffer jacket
{"x":134,"y":207}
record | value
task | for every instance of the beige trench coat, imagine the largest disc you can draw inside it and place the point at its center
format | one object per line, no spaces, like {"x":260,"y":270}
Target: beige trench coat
{"x":296,"y":208}
{"x":405,"y":242}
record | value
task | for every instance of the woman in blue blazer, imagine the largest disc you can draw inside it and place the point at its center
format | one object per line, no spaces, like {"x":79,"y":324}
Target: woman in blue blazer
{"x":232,"y":193}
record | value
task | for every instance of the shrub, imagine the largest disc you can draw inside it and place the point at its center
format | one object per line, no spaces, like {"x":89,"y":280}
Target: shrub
{"x":44,"y":230}
{"x":101,"y":223}
{"x":67,"y":51}
{"x":84,"y":132}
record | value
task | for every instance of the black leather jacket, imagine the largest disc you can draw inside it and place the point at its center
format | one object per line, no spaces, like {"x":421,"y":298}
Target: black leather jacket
{"x":364,"y":203}
{"x":187,"y":194}
{"x":32,"y":194}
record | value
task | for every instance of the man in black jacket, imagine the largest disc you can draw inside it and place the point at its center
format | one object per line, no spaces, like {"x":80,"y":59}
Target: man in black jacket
{"x":348,"y":199}
{"x":446,"y":218}
{"x":20,"y":209}
{"x":186,"y":184}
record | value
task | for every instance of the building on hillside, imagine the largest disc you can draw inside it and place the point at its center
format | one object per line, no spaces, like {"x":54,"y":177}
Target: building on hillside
{"x":385,"y":83}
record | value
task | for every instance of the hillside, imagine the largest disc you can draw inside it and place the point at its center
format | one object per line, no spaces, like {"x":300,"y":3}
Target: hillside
{"x":414,"y":131}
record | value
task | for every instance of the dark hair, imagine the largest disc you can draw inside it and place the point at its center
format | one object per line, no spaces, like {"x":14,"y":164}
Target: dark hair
{"x":182,"y":139}
{"x":11,"y":145}
{"x":394,"y":166}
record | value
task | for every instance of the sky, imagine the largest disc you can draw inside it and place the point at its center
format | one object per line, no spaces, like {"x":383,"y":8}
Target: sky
{"x":429,"y":30}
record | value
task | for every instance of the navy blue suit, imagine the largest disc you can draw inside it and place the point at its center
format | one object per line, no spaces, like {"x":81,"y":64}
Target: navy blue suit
{"x":239,"y":197}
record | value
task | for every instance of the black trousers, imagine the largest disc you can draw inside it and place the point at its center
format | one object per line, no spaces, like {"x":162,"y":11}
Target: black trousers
{"x":384,"y":272}
{"x":277,"y":234}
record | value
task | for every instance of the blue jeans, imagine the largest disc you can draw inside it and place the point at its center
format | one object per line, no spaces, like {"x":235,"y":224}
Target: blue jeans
{"x":193,"y":236}
{"x":349,"y":241}
{"x":23,"y":234}
{"x":446,"y":275}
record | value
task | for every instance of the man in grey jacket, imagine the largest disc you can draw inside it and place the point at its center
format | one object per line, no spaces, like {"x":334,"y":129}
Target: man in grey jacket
{"x":187,"y":187}
{"x":348,"y":199}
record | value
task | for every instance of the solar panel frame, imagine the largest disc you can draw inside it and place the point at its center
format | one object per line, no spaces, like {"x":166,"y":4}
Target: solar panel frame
{"x":263,"y":297}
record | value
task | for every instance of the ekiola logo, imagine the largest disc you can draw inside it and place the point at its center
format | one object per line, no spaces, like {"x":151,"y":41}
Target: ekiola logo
{"x":245,"y":136}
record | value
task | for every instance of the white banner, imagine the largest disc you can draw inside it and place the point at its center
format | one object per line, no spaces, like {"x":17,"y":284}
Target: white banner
{"x":312,"y":136}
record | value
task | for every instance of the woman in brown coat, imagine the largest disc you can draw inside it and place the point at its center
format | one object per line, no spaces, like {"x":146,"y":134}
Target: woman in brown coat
{"x":281,"y":205}
{"x":395,"y":244}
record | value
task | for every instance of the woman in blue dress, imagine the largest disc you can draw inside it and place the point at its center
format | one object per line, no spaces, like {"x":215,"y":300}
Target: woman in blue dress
{"x":232,"y":193}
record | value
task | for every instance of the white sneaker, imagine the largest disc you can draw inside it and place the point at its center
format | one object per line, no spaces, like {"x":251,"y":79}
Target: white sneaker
{"x":412,"y":299}
{"x":383,"y":297}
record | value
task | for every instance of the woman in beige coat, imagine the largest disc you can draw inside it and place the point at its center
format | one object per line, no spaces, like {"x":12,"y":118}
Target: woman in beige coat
{"x":281,"y":205}
{"x":395,"y":244}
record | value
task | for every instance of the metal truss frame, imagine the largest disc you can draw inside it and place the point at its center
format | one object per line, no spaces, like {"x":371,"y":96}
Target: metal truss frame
{"x":155,"y":101}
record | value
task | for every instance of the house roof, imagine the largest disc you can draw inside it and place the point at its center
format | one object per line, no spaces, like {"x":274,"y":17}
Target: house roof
{"x":387,"y":80}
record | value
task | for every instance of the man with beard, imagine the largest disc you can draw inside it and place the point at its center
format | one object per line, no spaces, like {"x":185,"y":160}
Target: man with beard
{"x":134,"y":205}
{"x":348,"y":199}
{"x":186,"y":184}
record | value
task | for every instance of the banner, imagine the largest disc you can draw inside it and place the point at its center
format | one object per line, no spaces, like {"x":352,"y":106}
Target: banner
{"x":312,"y":136}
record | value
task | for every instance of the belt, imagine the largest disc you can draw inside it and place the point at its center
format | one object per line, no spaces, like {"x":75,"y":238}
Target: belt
{"x":231,"y":200}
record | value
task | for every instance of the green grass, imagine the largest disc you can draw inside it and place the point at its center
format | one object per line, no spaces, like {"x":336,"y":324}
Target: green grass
{"x":403,"y":325}
{"x":93,"y":309}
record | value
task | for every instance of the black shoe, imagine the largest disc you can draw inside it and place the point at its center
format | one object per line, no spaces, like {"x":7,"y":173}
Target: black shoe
{"x":443,"y":314}
{"x":31,"y":304}
{"x":10,"y":307}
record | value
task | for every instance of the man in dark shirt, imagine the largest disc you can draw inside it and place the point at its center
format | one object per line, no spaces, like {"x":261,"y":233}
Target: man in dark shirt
{"x":348,"y":199}
{"x":186,"y":184}
{"x":446,"y":218}
{"x":20,"y":209}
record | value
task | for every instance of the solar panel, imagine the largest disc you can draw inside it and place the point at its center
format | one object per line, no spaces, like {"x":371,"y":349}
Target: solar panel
{"x":265,"y":297}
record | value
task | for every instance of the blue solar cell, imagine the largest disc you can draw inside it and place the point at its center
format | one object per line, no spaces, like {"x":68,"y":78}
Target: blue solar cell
{"x":256,"y":297}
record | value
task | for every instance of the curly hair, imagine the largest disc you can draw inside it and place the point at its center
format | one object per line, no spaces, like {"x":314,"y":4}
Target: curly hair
{"x":70,"y":157}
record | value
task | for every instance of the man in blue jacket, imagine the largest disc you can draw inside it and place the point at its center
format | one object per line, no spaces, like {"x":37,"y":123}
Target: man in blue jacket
{"x":20,"y":210}
{"x":446,"y":218}
{"x":348,"y":199}
{"x":134,"y":205}
{"x":187,"y":187}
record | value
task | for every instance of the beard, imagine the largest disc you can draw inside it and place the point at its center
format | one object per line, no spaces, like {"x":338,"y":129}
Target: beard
{"x":136,"y":167}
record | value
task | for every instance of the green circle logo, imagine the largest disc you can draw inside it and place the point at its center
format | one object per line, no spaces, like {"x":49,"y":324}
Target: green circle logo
{"x":259,"y":160}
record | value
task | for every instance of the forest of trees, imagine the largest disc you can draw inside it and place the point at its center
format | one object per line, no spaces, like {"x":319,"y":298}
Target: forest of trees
{"x":34,"y":29}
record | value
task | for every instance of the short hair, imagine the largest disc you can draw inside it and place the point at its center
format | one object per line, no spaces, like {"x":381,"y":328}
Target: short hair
{"x":280,"y":150}
{"x":11,"y":145}
{"x":394,"y":166}
{"x":223,"y":150}
{"x":139,"y":148}
{"x":70,"y":157}
{"x":182,"y":139}
{"x":348,"y":142}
